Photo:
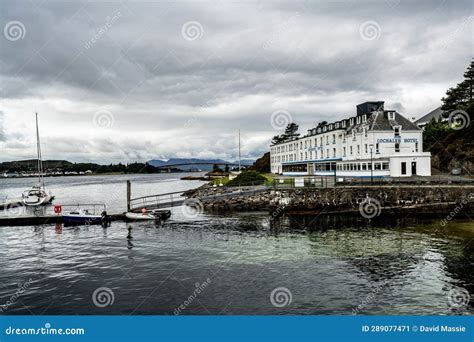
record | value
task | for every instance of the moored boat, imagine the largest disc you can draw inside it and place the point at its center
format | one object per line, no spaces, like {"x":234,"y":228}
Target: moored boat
{"x":86,"y":216}
{"x":37,"y":195}
{"x":148,"y":215}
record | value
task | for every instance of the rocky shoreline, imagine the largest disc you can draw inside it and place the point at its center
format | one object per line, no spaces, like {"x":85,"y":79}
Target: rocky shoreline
{"x":393,"y":200}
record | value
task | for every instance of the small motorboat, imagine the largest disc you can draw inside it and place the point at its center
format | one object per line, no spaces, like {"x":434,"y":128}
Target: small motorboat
{"x":82,"y":216}
{"x":148,"y":215}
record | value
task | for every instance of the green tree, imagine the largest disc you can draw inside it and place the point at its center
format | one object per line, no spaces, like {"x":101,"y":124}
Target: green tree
{"x":216,"y":168}
{"x":291,"y":131}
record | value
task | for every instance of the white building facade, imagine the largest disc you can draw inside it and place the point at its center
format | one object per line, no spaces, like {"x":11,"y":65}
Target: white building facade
{"x":375,"y":143}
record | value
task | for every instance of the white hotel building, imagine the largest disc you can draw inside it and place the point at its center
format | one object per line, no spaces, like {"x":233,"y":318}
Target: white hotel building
{"x":374,"y":143}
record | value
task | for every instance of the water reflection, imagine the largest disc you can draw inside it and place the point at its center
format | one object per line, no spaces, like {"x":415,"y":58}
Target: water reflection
{"x":330,"y":265}
{"x":129,"y":237}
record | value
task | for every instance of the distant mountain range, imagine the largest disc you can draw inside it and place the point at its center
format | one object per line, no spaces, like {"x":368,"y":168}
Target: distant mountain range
{"x":195,"y":163}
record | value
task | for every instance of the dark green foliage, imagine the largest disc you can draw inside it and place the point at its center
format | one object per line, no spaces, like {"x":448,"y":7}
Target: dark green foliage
{"x":248,"y":177}
{"x":453,"y":146}
{"x":262,"y":164}
{"x":216,"y":168}
{"x":290,"y":134}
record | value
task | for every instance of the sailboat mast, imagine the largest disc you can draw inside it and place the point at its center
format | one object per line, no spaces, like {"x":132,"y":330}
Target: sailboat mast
{"x":38,"y":151}
{"x":239,"y":150}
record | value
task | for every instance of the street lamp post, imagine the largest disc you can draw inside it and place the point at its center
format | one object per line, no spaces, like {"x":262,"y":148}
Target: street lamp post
{"x":371,"y":163}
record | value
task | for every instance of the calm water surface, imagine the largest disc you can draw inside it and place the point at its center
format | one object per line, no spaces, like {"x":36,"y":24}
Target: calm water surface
{"x":329,"y":267}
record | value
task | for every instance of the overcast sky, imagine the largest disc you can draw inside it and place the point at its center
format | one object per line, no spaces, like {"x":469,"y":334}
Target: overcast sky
{"x":134,"y":80}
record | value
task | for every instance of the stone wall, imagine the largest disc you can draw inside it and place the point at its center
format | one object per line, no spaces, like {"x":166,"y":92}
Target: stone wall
{"x":334,"y":199}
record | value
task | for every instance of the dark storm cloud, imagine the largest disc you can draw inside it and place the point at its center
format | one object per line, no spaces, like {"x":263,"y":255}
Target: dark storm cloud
{"x":169,"y":95}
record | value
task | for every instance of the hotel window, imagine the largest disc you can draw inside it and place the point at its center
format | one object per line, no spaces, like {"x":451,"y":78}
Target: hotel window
{"x":344,"y":151}
{"x":334,"y":152}
{"x":343,"y":123}
{"x":416,"y":146}
{"x":325,"y":128}
{"x":358,"y":166}
{"x":310,"y":154}
{"x":353,"y":135}
{"x":391,"y":115}
{"x":330,"y":127}
{"x":377,"y":148}
{"x":351,"y":150}
{"x":305,"y":144}
{"x":306,"y":155}
{"x":321,"y":141}
{"x":364,"y":118}
{"x":327,"y":153}
{"x":364,"y":166}
{"x":310,"y":142}
{"x":301,"y":145}
{"x":397,"y":147}
{"x":365,"y":132}
{"x":397,"y":131}
{"x":337,"y":125}
{"x":352,"y":121}
{"x":369,"y":166}
{"x":327,"y":139}
{"x":344,"y":137}
{"x":358,"y":149}
{"x":358,"y":119}
{"x":366,"y":149}
{"x":333,"y":138}
{"x":385,"y":166}
{"x":377,"y":167}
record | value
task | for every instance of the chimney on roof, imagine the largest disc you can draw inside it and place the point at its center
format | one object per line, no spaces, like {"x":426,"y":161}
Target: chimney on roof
{"x":369,"y":107}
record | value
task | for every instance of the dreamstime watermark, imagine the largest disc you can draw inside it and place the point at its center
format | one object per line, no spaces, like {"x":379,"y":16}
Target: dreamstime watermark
{"x":12,"y":300}
{"x":192,"y":208}
{"x":283,"y":202}
{"x":103,"y":119}
{"x":370,"y":208}
{"x":457,"y":209}
{"x":13,"y":210}
{"x":279,"y":119}
{"x":458,"y":119}
{"x":281,"y":297}
{"x":199,"y":288}
{"x":370,"y":298}
{"x":103,"y":296}
{"x":14,"y":30}
{"x":46,"y":330}
{"x":110,"y":21}
{"x":458,"y":298}
{"x":192,"y":30}
{"x":465,"y":24}
{"x":277,"y":34}
{"x":370,"y":30}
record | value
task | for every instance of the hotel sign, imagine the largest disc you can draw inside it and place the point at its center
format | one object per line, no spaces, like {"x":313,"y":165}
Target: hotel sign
{"x":396,"y":140}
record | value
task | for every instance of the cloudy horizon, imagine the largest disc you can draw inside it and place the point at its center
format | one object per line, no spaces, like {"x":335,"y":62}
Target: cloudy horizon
{"x":125,"y":81}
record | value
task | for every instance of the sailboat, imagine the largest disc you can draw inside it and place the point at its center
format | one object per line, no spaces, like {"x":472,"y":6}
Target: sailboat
{"x":37,"y":195}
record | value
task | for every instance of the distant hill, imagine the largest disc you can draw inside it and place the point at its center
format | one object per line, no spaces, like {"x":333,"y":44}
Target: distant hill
{"x":195,"y":163}
{"x":262,"y":164}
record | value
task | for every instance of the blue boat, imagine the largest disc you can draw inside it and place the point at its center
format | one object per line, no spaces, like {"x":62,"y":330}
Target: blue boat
{"x":85,"y":217}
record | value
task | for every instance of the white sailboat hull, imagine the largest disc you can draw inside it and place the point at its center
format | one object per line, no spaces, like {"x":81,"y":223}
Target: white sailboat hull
{"x":36,"y":197}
